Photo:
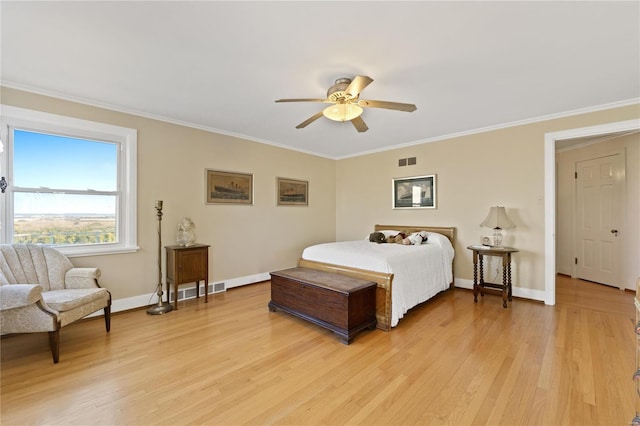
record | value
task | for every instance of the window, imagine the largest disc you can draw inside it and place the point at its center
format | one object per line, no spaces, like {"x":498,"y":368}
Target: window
{"x":71,"y":183}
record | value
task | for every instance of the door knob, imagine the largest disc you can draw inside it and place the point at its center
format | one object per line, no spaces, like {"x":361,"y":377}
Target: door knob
{"x":614,"y":232}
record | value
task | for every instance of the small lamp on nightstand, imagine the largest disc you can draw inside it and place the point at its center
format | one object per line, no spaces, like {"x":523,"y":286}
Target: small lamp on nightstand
{"x":497,"y":220}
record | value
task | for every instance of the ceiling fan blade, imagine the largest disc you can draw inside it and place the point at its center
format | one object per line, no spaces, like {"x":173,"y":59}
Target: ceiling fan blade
{"x":309,"y":120}
{"x":357,"y":85}
{"x":387,"y":105}
{"x":303,"y":100}
{"x":359,"y":124}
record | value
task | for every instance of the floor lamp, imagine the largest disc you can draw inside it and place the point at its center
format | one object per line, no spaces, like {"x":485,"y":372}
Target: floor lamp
{"x":161,"y":307}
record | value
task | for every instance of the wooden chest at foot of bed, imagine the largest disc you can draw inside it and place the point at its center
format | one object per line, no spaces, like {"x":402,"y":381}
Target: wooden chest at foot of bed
{"x":341,"y":304}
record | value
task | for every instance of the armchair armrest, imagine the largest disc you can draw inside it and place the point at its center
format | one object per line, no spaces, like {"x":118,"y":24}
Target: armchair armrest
{"x":82,"y":278}
{"x":19,"y":295}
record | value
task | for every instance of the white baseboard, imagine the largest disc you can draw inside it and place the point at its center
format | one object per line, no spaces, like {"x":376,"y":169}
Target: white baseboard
{"x":144,"y":300}
{"x":249,"y":279}
{"x":460,"y":283}
{"x":525,"y":293}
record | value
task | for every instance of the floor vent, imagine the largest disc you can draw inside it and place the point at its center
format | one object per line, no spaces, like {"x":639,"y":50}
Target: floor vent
{"x":190,"y":293}
{"x":187,"y":293}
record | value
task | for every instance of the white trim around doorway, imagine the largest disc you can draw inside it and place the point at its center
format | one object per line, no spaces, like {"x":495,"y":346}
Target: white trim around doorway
{"x":550,"y":192}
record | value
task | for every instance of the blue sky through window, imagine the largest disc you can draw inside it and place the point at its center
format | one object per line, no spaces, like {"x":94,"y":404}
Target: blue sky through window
{"x":63,"y":163}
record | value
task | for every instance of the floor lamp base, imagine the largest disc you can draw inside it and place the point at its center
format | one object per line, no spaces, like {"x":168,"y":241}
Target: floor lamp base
{"x":159,"y":309}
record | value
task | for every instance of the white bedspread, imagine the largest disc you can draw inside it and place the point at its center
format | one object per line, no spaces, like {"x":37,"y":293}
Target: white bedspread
{"x":420,"y":271}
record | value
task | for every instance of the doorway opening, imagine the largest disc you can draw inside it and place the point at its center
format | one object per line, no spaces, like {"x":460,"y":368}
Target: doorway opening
{"x":551,"y":141}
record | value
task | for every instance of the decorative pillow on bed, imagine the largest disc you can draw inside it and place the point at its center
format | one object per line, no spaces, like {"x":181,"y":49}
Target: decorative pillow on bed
{"x":417,"y":238}
{"x":386,"y":232}
{"x":377,"y":237}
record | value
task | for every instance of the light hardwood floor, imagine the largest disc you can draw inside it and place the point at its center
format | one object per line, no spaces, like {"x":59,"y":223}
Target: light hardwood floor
{"x":231,"y":361}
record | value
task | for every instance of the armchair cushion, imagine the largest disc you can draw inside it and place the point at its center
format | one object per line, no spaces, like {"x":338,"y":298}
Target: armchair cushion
{"x":65,"y":300}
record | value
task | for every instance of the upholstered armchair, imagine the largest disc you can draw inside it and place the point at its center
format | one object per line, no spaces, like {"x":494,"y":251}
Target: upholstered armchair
{"x":41,"y":290}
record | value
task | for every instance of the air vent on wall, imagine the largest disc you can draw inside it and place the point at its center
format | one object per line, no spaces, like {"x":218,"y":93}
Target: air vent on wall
{"x":407,"y":162}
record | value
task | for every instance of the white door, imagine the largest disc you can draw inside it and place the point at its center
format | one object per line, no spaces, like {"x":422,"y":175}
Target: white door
{"x":599,"y":184}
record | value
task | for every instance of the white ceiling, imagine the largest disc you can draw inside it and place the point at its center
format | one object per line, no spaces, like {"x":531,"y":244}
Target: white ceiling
{"x":221,"y":65}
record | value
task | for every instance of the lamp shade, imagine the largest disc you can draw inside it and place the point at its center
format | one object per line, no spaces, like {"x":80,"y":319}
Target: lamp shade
{"x":342,"y":112}
{"x":497,"y":219}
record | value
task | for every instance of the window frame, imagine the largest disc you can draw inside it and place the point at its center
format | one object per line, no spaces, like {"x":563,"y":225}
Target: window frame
{"x":126,"y":205}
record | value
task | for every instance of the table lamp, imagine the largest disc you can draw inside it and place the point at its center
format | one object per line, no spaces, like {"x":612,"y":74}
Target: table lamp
{"x":498,"y":220}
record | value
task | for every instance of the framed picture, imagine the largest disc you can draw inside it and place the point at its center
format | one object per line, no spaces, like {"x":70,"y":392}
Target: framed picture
{"x":292,"y":192}
{"x":418,"y":192}
{"x":228,"y":187}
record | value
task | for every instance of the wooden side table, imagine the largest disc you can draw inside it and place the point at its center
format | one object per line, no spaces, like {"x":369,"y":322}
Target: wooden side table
{"x":482,"y":287}
{"x":187,"y":264}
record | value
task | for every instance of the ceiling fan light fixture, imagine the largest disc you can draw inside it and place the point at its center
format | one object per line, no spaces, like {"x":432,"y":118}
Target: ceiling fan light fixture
{"x":342,"y":112}
{"x":347,"y":105}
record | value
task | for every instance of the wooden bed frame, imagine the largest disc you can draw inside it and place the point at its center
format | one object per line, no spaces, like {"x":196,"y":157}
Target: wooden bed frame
{"x":383,"y":280}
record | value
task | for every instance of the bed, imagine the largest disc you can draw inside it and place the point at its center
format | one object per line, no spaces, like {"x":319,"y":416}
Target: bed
{"x":406,"y":275}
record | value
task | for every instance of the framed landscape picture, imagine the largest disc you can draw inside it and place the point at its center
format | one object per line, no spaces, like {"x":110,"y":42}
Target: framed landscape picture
{"x":418,"y":192}
{"x":292,"y":192}
{"x":228,"y":187}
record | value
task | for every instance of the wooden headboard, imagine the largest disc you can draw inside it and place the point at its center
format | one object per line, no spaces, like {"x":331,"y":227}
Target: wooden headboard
{"x":449,"y":232}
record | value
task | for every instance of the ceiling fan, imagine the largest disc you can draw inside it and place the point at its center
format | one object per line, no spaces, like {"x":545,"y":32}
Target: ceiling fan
{"x":344,"y":96}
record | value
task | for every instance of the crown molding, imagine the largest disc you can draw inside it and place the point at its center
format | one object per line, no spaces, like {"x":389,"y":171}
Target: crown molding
{"x":116,"y":108}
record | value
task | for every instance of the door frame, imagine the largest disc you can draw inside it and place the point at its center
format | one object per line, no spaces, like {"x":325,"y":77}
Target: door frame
{"x":550,"y":192}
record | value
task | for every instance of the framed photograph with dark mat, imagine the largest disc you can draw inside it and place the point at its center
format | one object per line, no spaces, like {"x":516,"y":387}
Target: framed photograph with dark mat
{"x":417,"y":192}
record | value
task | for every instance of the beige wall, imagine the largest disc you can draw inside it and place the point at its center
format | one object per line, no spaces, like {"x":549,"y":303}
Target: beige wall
{"x":474,"y":172}
{"x":347,"y":197}
{"x":630,"y":204}
{"x":245,"y":240}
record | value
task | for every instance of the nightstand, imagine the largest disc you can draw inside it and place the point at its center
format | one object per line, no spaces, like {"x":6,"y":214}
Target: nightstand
{"x":187,"y":264}
{"x":482,"y":287}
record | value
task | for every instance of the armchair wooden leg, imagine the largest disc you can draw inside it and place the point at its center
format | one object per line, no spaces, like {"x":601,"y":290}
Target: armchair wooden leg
{"x":54,"y":342}
{"x":107,"y":318}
